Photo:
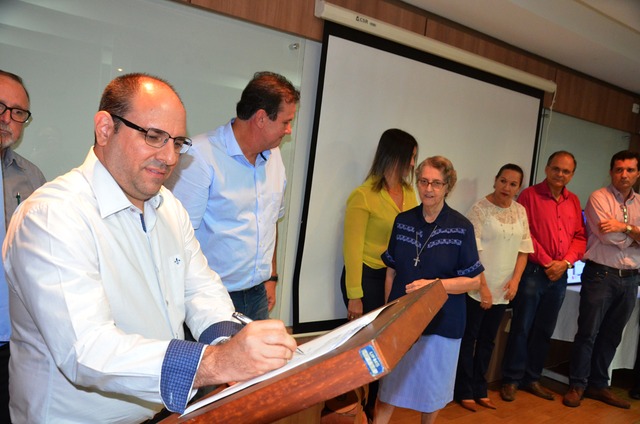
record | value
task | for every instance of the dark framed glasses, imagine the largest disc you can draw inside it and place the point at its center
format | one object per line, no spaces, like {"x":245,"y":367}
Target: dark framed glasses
{"x":158,"y":138}
{"x":17,"y":114}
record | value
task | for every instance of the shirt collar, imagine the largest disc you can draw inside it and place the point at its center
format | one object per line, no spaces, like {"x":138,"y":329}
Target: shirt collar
{"x":109,"y":196}
{"x":9,"y":157}
{"x":543,"y":189}
{"x":233,"y":148}
{"x":619,"y":196}
{"x":439,"y":221}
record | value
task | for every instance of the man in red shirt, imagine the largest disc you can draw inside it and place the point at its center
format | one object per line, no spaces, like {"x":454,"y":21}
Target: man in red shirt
{"x":558,"y":233}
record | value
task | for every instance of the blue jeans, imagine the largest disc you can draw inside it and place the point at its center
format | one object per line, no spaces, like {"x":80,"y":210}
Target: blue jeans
{"x":476,"y":349}
{"x":535,"y":312}
{"x":606,"y":302}
{"x":252,"y":302}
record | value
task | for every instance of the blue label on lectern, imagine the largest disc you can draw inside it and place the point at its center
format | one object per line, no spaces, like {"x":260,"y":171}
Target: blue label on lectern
{"x":371,"y":360}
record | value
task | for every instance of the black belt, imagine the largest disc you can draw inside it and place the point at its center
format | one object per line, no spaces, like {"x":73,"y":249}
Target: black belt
{"x":256,"y":287}
{"x":622,"y":273}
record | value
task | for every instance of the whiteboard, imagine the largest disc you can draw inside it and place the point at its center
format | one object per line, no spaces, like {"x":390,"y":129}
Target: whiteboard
{"x":478,"y":121}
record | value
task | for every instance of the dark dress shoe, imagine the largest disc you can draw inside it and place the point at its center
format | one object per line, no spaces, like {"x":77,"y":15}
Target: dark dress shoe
{"x":508,"y":392}
{"x":469,"y":404}
{"x":635,"y":392}
{"x":573,"y":397}
{"x":606,"y":395}
{"x":536,"y":388}
{"x":486,"y":402}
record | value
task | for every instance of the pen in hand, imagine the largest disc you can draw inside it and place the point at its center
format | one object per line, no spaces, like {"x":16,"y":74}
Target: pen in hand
{"x":242,"y":318}
{"x":246,"y":320}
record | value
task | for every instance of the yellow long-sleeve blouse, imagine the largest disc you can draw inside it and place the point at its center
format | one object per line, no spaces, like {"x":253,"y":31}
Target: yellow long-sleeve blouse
{"x":367,"y":227}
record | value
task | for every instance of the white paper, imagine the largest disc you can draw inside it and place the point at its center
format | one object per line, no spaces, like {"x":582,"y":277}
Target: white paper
{"x":311,"y":350}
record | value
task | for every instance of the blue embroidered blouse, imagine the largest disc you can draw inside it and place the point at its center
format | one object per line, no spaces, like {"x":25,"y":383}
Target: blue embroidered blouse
{"x":450,"y":252}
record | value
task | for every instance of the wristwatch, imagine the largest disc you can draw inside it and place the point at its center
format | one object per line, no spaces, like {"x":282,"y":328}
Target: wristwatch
{"x":629,"y":229}
{"x":569,"y":264}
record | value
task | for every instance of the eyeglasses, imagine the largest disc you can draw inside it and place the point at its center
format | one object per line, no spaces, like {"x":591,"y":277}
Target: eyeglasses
{"x":158,"y":138}
{"x":435,"y":184}
{"x":17,"y":114}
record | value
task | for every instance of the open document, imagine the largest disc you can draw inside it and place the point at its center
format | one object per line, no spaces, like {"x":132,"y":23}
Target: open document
{"x":310,"y":350}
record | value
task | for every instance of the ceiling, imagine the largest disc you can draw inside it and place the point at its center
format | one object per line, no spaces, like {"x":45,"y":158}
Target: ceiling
{"x":600,"y":38}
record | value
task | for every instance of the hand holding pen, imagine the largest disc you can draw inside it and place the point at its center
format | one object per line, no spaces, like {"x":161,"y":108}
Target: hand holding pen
{"x":244,"y":320}
{"x":259,"y":348}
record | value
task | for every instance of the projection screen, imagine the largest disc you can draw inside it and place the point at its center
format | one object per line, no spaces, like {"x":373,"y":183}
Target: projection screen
{"x":367,"y":85}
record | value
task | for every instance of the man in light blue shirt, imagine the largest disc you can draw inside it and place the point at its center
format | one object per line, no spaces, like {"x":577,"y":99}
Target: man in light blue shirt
{"x":232,"y":183}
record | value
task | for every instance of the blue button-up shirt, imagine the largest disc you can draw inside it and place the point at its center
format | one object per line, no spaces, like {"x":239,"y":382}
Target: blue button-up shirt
{"x":234,"y":205}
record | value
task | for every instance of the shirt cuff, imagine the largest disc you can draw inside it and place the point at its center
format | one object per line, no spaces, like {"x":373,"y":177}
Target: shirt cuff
{"x":220,"y":330}
{"x":388,"y":259}
{"x":178,"y":372}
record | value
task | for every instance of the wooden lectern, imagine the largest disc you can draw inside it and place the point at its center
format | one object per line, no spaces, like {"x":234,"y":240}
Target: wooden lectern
{"x":368,"y":355}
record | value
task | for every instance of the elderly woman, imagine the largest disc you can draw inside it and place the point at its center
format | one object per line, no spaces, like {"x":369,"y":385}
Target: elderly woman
{"x":504,"y":241}
{"x":429,"y":242}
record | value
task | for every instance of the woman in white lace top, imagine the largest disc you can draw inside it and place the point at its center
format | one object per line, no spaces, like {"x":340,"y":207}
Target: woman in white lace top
{"x":503,"y":239}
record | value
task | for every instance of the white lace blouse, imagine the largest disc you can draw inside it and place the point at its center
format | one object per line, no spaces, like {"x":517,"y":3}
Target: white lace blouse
{"x":500,"y":234}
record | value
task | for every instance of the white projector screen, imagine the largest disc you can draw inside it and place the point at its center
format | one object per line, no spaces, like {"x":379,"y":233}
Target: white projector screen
{"x":367,"y":85}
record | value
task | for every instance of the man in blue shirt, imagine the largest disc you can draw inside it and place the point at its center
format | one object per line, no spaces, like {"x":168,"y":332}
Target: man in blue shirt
{"x":232,"y":183}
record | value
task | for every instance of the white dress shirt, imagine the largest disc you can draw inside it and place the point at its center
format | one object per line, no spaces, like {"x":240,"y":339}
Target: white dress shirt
{"x":97,"y":292}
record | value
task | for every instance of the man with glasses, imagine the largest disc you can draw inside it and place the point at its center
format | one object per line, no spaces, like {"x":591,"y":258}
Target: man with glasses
{"x":19,"y":179}
{"x":558,"y":235}
{"x":609,"y":282}
{"x":104,"y":270}
{"x":232,"y":182}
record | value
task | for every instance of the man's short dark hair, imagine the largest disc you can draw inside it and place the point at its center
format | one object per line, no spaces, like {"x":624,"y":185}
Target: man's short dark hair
{"x":267,"y":91}
{"x":623,"y":155}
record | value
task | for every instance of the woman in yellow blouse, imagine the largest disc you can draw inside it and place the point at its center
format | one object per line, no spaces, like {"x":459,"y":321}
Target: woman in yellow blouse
{"x":371,"y":210}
